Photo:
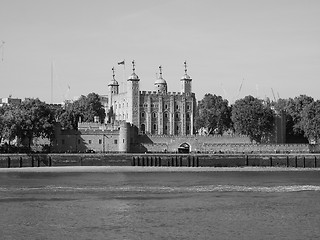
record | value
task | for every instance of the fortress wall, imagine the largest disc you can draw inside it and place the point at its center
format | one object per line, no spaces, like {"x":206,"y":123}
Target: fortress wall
{"x":211,"y":144}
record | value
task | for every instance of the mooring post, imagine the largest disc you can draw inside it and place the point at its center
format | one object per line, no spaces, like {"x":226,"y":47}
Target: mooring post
{"x":287,"y":161}
{"x":172,"y":162}
{"x":32,"y":161}
{"x":193,"y":161}
{"x":315,"y":161}
{"x":189,"y":161}
{"x":296,"y":161}
{"x":270,"y":161}
{"x":160,"y":163}
{"x":180,"y":161}
{"x":304,"y":161}
{"x":197,"y":161}
{"x":9,"y":162}
{"x":133,"y":162}
{"x":177,"y":164}
{"x":38,"y":161}
{"x":20,"y":162}
{"x":155,"y":162}
{"x":247,"y":161}
{"x":50,"y":161}
{"x":143,"y":162}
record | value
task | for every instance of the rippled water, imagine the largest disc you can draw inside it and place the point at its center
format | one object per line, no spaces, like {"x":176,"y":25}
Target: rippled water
{"x":160,"y":205}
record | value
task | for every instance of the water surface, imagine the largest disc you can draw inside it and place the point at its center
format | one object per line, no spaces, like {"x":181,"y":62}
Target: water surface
{"x":160,"y":205}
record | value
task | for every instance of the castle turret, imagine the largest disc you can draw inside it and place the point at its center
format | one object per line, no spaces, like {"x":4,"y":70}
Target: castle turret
{"x":133,"y":97}
{"x":160,"y":84}
{"x":186,"y":81}
{"x":113,"y":88}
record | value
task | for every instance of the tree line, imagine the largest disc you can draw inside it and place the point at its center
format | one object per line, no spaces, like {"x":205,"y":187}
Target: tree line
{"x":33,"y":118}
{"x":254,"y":117}
{"x":248,"y":116}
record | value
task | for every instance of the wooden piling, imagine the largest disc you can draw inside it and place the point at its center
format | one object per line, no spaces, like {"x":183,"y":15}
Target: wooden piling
{"x":9,"y":162}
{"x":296,"y":161}
{"x":180,"y":161}
{"x":32,"y":161}
{"x":304,"y":161}
{"x":287,"y":161}
{"x":197,"y":162}
{"x":315,"y":161}
{"x":247,"y":161}
{"x":270,"y":161}
{"x":20,"y":162}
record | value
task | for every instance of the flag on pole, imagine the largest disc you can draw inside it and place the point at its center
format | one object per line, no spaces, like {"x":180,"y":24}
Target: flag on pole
{"x":121,"y":63}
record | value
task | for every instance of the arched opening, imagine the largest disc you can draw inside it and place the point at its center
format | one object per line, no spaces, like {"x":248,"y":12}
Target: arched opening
{"x":184,"y":148}
{"x":142,"y":128}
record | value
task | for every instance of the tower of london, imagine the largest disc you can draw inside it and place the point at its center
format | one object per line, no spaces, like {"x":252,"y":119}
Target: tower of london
{"x":156,"y":112}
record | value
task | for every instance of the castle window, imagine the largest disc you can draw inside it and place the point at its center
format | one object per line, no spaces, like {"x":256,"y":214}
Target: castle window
{"x":188,"y":107}
{"x":89,"y":141}
{"x":78,"y":141}
{"x":142,"y":115}
{"x":188,"y":116}
{"x":119,"y":105}
{"x":115,"y":141}
{"x":188,"y":128}
{"x":100,"y":141}
{"x":62,"y":141}
{"x":166,"y":106}
{"x":142,"y":128}
{"x":177,"y":107}
{"x":177,"y":116}
{"x":154,"y":115}
{"x":177,"y":128}
{"x":152,"y":105}
{"x":165,"y":115}
{"x":145,"y":105}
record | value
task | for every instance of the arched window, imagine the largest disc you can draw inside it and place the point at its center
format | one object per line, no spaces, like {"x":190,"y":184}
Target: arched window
{"x":142,"y":128}
{"x":154,"y":115}
{"x":142,"y":115}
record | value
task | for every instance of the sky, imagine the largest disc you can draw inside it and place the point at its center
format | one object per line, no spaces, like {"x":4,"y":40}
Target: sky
{"x":61,"y":49}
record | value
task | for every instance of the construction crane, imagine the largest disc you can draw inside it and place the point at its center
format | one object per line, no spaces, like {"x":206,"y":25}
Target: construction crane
{"x":2,"y":50}
{"x":274,"y":96}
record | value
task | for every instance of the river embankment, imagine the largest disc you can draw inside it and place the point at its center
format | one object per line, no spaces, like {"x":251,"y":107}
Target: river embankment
{"x":160,"y":160}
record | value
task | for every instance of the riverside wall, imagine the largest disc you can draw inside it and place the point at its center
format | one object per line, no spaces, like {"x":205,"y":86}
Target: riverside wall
{"x":160,"y":160}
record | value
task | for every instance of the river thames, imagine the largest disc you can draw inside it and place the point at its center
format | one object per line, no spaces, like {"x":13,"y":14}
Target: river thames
{"x":159,"y":203}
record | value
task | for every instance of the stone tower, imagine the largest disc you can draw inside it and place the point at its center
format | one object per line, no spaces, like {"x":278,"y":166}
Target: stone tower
{"x":186,"y":81}
{"x":160,"y":84}
{"x":133,"y":97}
{"x":113,"y":88}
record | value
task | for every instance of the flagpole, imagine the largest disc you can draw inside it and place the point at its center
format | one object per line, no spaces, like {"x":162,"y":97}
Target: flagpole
{"x":51,"y":82}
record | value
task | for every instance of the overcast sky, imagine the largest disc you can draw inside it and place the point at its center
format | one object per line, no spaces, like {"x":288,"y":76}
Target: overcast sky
{"x":233,"y":47}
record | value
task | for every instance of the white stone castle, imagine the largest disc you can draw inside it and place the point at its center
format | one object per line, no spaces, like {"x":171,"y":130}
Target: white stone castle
{"x":157,"y":112}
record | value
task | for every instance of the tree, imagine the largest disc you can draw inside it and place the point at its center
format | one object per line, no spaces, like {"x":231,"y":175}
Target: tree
{"x":213,"y":114}
{"x":295,"y":108}
{"x":310,"y":121}
{"x":253,"y":118}
{"x":86,"y":108}
{"x":36,"y":119}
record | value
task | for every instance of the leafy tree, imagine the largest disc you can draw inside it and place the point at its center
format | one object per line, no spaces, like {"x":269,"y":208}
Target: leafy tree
{"x":310,"y":121}
{"x":294,"y":109}
{"x":253,"y":118}
{"x":213,"y":114}
{"x":86,"y":108}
